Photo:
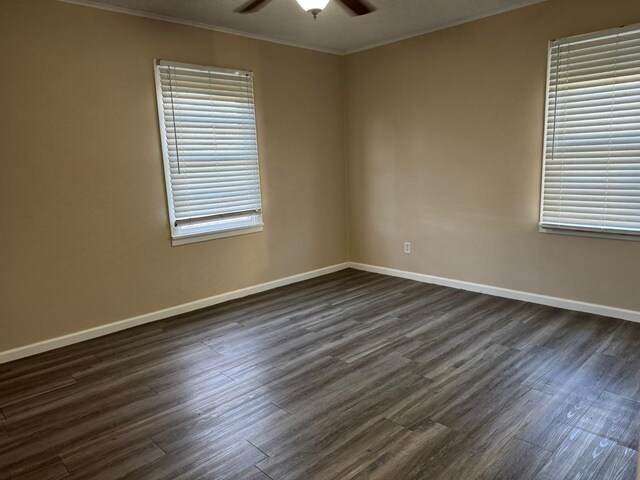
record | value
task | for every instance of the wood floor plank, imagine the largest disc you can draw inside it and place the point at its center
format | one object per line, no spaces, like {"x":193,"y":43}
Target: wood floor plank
{"x":203,"y":461}
{"x":623,"y":342}
{"x":22,"y":391}
{"x":41,"y":444}
{"x":613,"y":417}
{"x":52,"y":469}
{"x":111,"y":460}
{"x":410,"y":456}
{"x":352,"y":375}
{"x":571,"y":401}
{"x":232,"y":426}
{"x":627,"y":382}
{"x":519,"y":460}
{"x":332,"y":423}
{"x":478,"y":449}
{"x":621,"y":464}
{"x":581,"y":455}
{"x":331,"y":460}
{"x":60,"y":415}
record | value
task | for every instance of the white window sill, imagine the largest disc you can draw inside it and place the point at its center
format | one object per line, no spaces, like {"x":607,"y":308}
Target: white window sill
{"x":204,"y":236}
{"x":593,"y":234}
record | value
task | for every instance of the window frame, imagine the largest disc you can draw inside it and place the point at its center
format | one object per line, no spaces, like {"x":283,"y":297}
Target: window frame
{"x":584,"y":232}
{"x":202,"y":233}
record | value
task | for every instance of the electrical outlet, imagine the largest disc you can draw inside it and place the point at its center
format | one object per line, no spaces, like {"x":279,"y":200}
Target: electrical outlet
{"x":407,"y":247}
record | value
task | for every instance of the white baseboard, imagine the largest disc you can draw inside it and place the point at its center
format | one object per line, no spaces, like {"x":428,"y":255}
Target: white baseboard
{"x":46,"y":345}
{"x":631,"y":315}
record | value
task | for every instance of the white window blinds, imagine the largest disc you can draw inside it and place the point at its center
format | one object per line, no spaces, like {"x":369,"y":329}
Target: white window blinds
{"x":208,"y":128}
{"x":591,"y":178}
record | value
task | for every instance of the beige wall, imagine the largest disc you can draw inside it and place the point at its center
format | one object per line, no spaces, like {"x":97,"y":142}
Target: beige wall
{"x":85,"y":237}
{"x":445,"y":149}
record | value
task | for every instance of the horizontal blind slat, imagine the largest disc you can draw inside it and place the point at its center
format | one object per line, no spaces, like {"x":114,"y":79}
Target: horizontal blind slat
{"x":209,"y":140}
{"x":592,"y":152}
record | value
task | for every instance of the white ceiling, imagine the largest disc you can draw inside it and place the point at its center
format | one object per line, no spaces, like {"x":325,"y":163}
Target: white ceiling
{"x":334,"y":30}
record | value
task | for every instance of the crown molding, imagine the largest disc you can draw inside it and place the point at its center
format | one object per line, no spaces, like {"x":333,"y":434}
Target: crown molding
{"x":444,"y":26}
{"x":188,"y":23}
{"x":163,"y":18}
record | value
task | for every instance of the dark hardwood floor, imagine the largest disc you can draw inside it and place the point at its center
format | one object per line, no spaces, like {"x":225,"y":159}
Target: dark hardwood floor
{"x":348,"y":376}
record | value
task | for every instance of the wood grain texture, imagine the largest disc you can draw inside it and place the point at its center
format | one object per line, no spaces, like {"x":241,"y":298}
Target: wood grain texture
{"x":581,"y":455}
{"x":348,"y":376}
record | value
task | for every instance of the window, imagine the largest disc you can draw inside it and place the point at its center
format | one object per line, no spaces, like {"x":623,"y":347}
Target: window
{"x":210,"y":150}
{"x":591,"y":177}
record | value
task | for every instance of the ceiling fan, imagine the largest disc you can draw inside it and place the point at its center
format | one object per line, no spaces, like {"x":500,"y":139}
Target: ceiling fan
{"x":314,"y":7}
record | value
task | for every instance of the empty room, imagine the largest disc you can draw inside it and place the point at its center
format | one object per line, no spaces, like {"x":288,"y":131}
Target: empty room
{"x":320,"y":239}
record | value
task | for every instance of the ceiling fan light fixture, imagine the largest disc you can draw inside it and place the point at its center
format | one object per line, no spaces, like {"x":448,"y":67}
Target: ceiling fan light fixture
{"x":314,"y":7}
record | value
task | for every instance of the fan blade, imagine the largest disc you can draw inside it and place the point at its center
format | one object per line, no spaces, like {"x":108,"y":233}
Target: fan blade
{"x":358,"y":7}
{"x":251,"y":6}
